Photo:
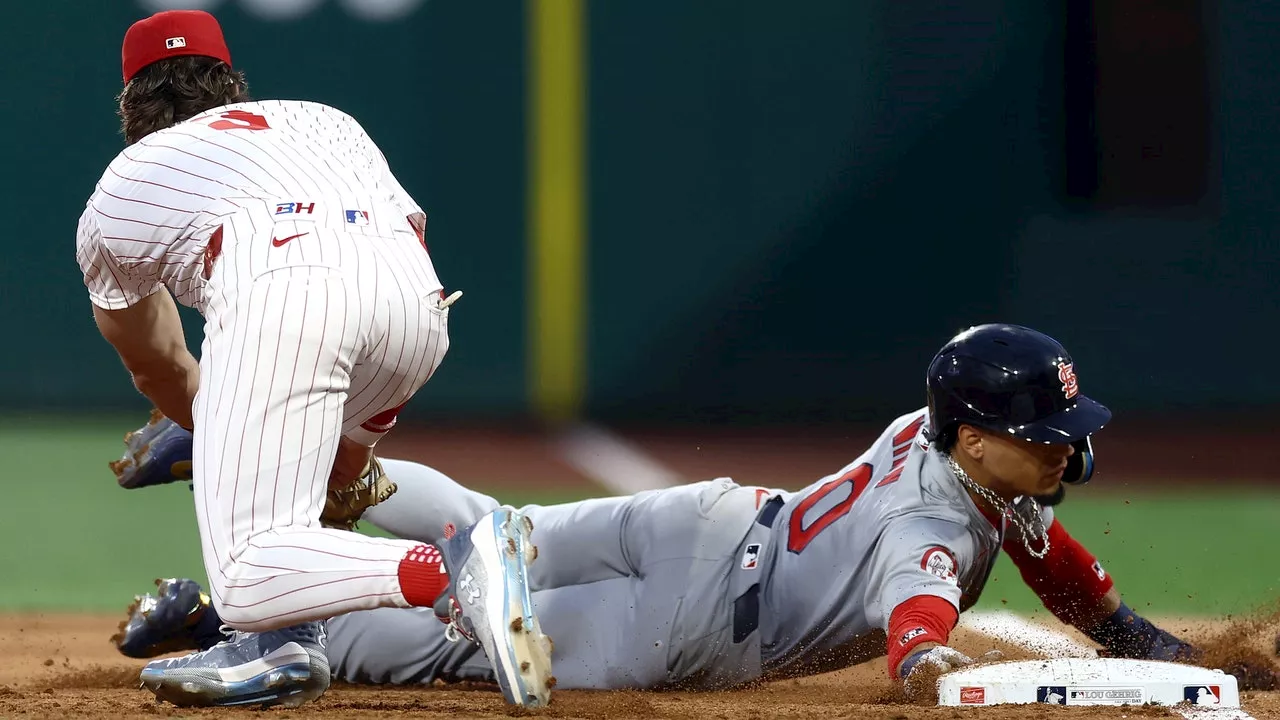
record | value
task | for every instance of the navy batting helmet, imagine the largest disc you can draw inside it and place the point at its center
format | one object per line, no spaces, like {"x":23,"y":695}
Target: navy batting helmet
{"x":1018,"y":382}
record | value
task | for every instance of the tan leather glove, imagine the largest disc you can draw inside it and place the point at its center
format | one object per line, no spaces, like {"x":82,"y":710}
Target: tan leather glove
{"x":344,"y":507}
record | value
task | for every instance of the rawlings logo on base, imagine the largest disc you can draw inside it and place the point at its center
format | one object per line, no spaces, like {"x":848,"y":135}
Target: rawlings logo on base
{"x":973,"y":695}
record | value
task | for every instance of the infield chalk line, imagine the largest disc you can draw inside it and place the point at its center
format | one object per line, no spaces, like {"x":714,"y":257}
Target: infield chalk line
{"x":1017,"y":630}
{"x":615,"y":463}
{"x":1213,"y":714}
{"x":1046,"y":641}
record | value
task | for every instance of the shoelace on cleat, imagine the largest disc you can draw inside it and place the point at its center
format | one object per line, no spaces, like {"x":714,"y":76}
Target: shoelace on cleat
{"x":454,"y":631}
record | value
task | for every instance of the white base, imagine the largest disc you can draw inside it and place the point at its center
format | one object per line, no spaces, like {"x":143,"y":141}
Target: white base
{"x":1088,"y":681}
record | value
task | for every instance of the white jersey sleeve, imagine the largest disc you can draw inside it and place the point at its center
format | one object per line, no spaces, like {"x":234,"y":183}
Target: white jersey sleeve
{"x":111,"y":285}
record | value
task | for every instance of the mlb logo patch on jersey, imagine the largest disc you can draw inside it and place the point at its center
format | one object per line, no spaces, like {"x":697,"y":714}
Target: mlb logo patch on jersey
{"x":939,"y":562}
{"x":174,"y":43}
{"x":751,"y":557}
{"x":1202,"y":694}
{"x":358,"y":217}
{"x":1097,"y":570}
{"x":1052,"y":694}
{"x":973,"y":696}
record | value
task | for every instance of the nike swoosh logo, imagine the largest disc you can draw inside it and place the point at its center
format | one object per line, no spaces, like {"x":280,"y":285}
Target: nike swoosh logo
{"x":278,"y":242}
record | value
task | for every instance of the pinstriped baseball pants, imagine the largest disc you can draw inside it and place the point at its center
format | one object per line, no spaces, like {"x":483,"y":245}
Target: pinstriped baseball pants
{"x":292,"y":360}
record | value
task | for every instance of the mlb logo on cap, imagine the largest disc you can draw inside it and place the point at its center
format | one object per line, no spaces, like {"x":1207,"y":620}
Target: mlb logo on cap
{"x":169,"y":34}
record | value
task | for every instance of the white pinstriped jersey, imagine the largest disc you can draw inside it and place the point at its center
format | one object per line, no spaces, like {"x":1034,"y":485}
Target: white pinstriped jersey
{"x":270,"y":170}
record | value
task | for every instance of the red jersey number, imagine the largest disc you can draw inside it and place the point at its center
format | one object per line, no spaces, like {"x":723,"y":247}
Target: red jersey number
{"x":240,"y":120}
{"x":798,"y":535}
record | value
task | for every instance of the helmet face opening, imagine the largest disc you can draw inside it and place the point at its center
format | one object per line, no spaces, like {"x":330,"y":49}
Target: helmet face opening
{"x":1012,"y":380}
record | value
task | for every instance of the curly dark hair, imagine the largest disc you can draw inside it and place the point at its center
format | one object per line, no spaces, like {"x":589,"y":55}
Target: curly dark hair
{"x":175,"y":89}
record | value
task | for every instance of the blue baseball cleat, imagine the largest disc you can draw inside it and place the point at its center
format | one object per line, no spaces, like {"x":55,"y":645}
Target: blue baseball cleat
{"x":157,"y":453}
{"x":285,"y":667}
{"x":178,"y":617}
{"x":488,"y":602}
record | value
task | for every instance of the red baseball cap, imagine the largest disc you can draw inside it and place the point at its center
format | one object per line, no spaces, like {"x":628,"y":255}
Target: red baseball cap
{"x":172,"y":33}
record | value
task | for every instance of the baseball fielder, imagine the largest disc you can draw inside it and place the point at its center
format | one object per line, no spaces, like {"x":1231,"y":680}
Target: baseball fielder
{"x":281,"y":222}
{"x":713,"y":584}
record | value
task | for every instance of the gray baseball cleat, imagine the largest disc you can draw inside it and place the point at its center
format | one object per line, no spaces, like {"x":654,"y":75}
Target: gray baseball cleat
{"x":285,"y":667}
{"x":488,"y":602}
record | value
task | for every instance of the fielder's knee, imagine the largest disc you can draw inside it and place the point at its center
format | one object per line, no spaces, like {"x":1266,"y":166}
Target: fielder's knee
{"x":238,"y":603}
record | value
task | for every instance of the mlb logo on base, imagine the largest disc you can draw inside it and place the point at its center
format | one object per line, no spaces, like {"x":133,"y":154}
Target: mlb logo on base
{"x":1202,"y":694}
{"x":973,"y":696}
{"x":1052,"y":694}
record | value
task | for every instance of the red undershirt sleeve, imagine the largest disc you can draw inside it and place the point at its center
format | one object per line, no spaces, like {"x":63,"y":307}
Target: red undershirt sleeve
{"x":1068,"y":580}
{"x":920,"y":619}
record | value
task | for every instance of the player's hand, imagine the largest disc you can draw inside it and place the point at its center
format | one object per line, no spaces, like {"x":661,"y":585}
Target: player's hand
{"x":1132,"y":636}
{"x":157,"y":453}
{"x":345,"y":505}
{"x":920,"y":683}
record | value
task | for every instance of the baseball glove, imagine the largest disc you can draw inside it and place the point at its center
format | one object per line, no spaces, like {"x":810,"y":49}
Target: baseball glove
{"x":344,"y":507}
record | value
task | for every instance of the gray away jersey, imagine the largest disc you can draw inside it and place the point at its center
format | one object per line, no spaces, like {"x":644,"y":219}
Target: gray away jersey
{"x":845,"y":551}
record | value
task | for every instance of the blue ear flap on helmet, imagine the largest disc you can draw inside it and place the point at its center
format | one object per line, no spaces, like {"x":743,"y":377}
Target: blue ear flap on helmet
{"x":1080,"y":465}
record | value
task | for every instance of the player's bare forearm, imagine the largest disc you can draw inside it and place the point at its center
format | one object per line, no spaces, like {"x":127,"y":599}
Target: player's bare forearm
{"x":149,"y":339}
{"x":350,"y":462}
{"x":172,"y":390}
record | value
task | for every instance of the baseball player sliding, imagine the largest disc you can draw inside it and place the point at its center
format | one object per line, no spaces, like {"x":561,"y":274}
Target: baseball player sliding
{"x":281,"y":222}
{"x":714,"y":585}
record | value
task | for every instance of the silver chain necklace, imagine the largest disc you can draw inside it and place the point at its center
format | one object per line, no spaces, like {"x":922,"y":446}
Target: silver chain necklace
{"x":1027,"y":526}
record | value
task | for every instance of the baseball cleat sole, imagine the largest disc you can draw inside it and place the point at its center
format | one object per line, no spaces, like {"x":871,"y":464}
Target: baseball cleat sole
{"x":529,"y":650}
{"x":288,"y":677}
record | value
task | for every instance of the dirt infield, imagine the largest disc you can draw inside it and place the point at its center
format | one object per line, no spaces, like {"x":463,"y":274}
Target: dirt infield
{"x":62,"y":666}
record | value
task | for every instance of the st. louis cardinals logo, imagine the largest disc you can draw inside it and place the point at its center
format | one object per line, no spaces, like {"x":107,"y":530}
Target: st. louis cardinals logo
{"x":1067,"y":375}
